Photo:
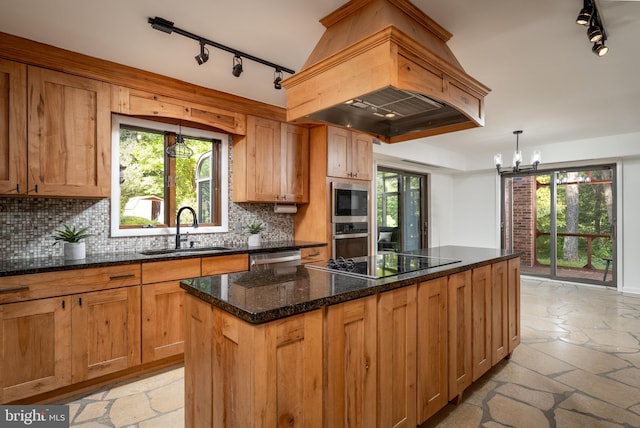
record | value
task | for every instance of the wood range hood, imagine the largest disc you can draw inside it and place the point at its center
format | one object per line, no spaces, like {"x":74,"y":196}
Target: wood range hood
{"x":384,"y":67}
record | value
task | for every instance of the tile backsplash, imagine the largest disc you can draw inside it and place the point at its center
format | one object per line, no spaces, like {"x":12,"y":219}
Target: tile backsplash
{"x":26,"y":226}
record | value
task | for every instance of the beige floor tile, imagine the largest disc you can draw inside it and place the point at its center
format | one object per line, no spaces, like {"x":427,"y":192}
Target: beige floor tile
{"x":591,"y":406}
{"x":513,"y":373}
{"x":514,"y":413}
{"x":91,"y":425}
{"x":581,"y":357}
{"x":612,"y":341}
{"x":167,"y":398}
{"x":608,"y":390}
{"x":465,"y":416}
{"x":92,"y":411}
{"x":528,"y":356}
{"x":566,"y":418}
{"x":130,"y":410}
{"x":477,"y":393}
{"x":630,"y":376}
{"x":538,"y":399}
{"x":170,"y":420}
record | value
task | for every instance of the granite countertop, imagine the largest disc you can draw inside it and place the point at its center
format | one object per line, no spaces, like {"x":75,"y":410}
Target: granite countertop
{"x":51,"y":264}
{"x":262,"y":296}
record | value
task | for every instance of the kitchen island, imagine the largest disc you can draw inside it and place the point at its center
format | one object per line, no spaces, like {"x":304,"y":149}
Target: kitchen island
{"x":304,"y":347}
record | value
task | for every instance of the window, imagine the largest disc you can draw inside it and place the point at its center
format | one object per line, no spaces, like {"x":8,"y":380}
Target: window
{"x":148,"y":186}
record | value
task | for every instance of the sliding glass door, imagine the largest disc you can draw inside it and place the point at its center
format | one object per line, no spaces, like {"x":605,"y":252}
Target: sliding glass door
{"x":563,"y":223}
{"x":401,"y":210}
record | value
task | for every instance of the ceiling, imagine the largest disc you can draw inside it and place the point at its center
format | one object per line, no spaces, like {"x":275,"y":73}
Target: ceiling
{"x":537,"y":61}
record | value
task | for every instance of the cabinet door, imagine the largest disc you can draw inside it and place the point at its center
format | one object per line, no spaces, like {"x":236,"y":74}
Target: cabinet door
{"x":482,"y":321}
{"x":500,"y":311}
{"x":397,"y":358}
{"x":105,"y":331}
{"x":350,"y":337}
{"x":35,"y":347}
{"x":338,"y":156}
{"x":433,"y":383}
{"x":294,"y":155}
{"x":69,"y":131}
{"x":263,"y":159}
{"x":459,"y":289}
{"x":162,"y":320}
{"x":13,"y":128}
{"x":514,"y":303}
{"x":361,"y":156}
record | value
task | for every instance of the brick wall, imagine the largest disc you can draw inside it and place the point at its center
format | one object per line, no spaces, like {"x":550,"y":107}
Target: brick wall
{"x":524,"y":218}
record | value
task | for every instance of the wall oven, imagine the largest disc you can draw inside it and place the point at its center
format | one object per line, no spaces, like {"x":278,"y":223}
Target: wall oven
{"x":350,"y":219}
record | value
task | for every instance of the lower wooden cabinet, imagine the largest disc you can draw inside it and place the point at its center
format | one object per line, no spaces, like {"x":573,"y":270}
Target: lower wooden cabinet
{"x":481,"y":288}
{"x":252,"y":375}
{"x":432,"y":380}
{"x":162,"y":320}
{"x":499,"y":311}
{"x":513,"y":268}
{"x":35,"y":347}
{"x":397,"y":357}
{"x":460,"y":325}
{"x":105,"y":331}
{"x":351,"y":364}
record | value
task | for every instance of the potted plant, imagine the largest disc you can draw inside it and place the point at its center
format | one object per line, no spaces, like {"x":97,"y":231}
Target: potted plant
{"x":74,"y":248}
{"x":254,"y":228}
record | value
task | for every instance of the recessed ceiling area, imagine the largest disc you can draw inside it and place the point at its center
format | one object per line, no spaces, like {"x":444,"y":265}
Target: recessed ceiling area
{"x":543,"y":77}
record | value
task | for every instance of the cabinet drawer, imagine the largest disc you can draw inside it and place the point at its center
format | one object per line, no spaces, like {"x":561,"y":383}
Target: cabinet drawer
{"x":170,"y":270}
{"x":313,"y":254}
{"x":225,"y":264}
{"x":49,"y":284}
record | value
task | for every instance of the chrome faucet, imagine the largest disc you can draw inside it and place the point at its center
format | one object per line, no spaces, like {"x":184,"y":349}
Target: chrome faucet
{"x":195,"y":223}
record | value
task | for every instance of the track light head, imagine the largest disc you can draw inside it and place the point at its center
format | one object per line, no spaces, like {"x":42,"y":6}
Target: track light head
{"x":203,"y":56}
{"x":277,"y":74}
{"x":600,"y":48}
{"x":585,"y":13}
{"x":594,"y":33}
{"x":237,"y":66}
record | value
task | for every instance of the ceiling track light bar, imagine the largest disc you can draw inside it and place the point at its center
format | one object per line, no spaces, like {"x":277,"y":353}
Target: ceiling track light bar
{"x":165,"y":26}
{"x":596,"y":34}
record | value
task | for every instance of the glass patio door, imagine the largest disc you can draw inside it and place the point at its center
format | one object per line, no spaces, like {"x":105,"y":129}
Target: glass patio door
{"x":563,"y":223}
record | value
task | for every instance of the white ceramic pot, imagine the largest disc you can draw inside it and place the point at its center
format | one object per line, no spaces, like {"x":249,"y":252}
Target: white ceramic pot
{"x":254,"y":240}
{"x":74,"y":250}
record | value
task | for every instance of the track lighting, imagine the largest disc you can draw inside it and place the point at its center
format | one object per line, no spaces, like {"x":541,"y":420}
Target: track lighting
{"x":595,"y":32}
{"x":167,"y":26}
{"x":203,"y":56}
{"x":237,"y":66}
{"x":517,"y":159}
{"x":277,"y":74}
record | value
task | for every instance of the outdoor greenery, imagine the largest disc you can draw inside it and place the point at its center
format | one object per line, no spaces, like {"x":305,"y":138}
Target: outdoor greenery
{"x":587,"y":212}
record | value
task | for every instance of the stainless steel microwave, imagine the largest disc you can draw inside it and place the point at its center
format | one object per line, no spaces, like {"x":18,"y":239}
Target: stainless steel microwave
{"x":350,"y":202}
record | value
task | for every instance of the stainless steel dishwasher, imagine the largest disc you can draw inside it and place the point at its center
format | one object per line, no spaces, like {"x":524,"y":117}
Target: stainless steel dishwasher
{"x":275,"y":261}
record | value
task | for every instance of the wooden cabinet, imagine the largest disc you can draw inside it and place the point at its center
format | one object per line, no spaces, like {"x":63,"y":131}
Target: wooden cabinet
{"x":481,"y":316}
{"x":225,"y":264}
{"x":432,"y":383}
{"x":69,"y":135}
{"x":459,"y":317}
{"x":499,"y":311}
{"x":314,"y":254}
{"x":35,"y":347}
{"x":13,"y":128}
{"x":271,"y":164}
{"x":350,"y":360}
{"x":349,"y":154}
{"x":397,"y":358}
{"x":513,"y":268}
{"x":244,"y":375}
{"x":105,"y":330}
{"x":162,"y":320}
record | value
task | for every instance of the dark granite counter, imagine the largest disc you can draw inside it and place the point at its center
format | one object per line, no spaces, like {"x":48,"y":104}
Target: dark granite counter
{"x":262,"y":296}
{"x":51,"y":264}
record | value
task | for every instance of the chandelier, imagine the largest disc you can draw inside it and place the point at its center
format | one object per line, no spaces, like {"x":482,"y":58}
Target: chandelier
{"x":517,"y":165}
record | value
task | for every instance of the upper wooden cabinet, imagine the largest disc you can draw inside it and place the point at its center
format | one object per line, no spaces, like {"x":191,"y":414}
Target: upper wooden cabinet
{"x":69,"y":125}
{"x":271,"y":164}
{"x":349,"y":154}
{"x":13,"y":128}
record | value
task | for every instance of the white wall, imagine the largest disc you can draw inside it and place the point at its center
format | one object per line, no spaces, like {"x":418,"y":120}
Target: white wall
{"x":629,"y":274}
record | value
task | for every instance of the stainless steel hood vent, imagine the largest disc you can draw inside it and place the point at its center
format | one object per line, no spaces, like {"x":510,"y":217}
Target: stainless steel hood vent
{"x":383,"y":67}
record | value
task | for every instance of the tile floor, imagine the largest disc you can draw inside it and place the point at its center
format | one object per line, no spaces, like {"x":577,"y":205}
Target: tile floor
{"x":578,"y":366}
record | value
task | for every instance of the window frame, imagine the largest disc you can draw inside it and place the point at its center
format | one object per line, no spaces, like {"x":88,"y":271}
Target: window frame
{"x":116,"y":231}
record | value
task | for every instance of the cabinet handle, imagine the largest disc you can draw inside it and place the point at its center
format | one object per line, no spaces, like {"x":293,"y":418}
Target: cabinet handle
{"x":284,"y":197}
{"x":36,"y":188}
{"x":63,"y":304}
{"x":313,"y":254}
{"x":18,"y":188}
{"x":127,"y":275}
{"x":355,"y":174}
{"x":80,"y":301}
{"x":11,"y":290}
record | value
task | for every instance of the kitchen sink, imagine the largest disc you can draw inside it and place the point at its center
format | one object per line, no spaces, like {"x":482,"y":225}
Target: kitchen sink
{"x":182,"y":250}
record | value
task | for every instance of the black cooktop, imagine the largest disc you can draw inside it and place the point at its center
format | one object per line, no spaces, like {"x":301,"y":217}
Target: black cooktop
{"x":381,"y":265}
